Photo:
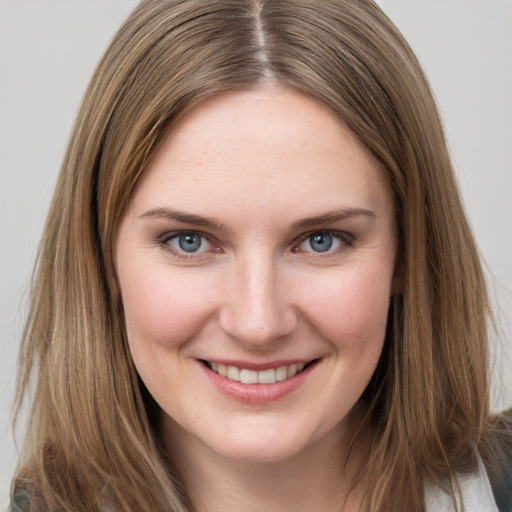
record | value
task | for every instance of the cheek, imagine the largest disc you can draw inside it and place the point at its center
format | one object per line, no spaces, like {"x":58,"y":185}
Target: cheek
{"x":350,"y":309}
{"x":162,"y":307}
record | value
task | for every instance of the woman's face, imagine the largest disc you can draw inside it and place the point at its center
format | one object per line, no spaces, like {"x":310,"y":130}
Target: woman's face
{"x":255,"y":265}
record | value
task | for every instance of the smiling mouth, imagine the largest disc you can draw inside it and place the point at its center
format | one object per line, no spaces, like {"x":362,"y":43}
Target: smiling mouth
{"x":246,"y":376}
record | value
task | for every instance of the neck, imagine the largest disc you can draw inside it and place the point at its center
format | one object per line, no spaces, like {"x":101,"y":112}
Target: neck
{"x":317,"y":478}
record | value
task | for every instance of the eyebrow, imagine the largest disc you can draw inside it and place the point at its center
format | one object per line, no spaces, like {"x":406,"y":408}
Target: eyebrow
{"x":336,"y":215}
{"x":212,"y":223}
{"x":186,"y":218}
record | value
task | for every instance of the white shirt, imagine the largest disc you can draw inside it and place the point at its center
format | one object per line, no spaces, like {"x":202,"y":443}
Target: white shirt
{"x":475,"y":489}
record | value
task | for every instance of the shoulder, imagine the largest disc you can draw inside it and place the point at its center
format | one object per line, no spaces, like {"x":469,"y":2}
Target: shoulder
{"x":20,"y":501}
{"x":500,"y":465}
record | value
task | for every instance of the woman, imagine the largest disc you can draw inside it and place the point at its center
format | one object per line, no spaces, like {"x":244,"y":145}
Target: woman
{"x":257,"y":288}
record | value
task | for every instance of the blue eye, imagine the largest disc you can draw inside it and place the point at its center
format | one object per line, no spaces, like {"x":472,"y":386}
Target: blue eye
{"x":187,"y":242}
{"x":324,"y":241}
{"x":321,"y":242}
{"x":190,"y":242}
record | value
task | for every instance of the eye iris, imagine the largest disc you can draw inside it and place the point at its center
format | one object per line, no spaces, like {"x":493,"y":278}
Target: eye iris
{"x":321,"y":242}
{"x":189,"y":242}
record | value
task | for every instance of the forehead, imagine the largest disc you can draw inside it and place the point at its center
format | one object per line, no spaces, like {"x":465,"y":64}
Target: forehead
{"x":264,"y":147}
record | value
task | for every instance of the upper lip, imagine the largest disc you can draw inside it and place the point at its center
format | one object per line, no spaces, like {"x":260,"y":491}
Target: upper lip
{"x":250,"y":365}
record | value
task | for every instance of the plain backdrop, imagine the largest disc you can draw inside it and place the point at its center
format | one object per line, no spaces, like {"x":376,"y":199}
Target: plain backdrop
{"x":48,"y":51}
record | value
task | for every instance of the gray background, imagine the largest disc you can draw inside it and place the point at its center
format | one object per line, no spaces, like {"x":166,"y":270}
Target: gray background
{"x":48,"y":51}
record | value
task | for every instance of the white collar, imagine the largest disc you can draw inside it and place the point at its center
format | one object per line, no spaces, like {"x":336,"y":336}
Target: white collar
{"x":475,"y":489}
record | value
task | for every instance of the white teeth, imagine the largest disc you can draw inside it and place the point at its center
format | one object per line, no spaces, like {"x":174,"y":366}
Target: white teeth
{"x":246,"y":376}
{"x":233,"y":373}
{"x":292,"y":370}
{"x":267,"y":377}
{"x":282,"y":373}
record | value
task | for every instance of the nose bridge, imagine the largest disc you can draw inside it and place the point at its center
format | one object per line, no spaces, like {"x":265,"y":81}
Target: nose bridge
{"x":257,"y":311}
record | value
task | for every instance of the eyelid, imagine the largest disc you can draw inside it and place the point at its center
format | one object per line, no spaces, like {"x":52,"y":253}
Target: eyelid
{"x":164,"y":240}
{"x":345,"y":238}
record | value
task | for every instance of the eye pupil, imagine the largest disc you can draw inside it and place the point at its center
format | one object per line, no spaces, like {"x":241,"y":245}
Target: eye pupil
{"x":321,"y":242}
{"x":189,"y":242}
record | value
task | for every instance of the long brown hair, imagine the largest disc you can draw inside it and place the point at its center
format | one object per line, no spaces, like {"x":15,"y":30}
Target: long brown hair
{"x":92,"y":436}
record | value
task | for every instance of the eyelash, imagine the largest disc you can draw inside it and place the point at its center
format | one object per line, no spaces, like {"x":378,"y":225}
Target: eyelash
{"x":346,"y":241}
{"x":165,"y":240}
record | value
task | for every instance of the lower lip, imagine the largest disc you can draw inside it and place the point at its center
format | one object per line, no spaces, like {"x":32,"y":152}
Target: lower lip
{"x":258,"y":393}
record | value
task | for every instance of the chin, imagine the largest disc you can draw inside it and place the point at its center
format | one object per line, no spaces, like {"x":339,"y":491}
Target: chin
{"x":258,"y":453}
{"x":267,"y":446}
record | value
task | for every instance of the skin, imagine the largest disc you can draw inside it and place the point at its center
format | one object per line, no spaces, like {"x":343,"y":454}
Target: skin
{"x":258,"y":291}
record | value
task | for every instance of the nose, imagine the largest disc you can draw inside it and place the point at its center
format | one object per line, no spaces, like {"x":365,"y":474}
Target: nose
{"x":257,"y":310}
